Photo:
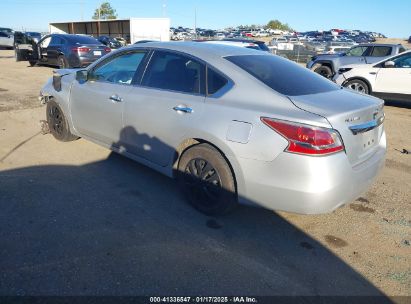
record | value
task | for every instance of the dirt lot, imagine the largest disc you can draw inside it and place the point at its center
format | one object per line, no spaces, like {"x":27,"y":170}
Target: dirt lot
{"x":77,"y":219}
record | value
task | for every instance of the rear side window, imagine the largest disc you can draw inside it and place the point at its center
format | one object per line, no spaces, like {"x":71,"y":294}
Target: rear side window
{"x":283,"y":76}
{"x":381,"y":51}
{"x":215,"y":81}
{"x":175,"y":72}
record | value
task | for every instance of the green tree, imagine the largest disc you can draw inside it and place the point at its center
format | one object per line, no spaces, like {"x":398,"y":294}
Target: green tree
{"x":105,"y":11}
{"x":277,"y":25}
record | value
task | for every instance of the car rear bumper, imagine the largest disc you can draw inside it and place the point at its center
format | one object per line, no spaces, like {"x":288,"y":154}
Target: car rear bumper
{"x":306,"y":184}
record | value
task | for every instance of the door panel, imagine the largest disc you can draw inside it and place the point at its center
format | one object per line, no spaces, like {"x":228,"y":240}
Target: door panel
{"x":393,"y":80}
{"x":94,"y":114}
{"x":97,"y":105}
{"x":153,"y":128}
{"x":396,"y":79}
{"x":169,"y":102}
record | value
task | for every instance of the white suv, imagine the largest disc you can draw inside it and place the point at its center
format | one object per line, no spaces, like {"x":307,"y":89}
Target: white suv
{"x":387,"y":79}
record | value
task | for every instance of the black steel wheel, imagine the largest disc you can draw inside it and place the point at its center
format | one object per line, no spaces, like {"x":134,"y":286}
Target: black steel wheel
{"x":324,"y":71}
{"x":57,"y":123}
{"x":207,"y":180}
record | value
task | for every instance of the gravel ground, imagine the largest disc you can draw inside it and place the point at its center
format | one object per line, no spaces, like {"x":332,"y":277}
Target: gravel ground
{"x":77,"y":219}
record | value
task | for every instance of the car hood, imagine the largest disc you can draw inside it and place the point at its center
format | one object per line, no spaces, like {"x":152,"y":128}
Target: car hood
{"x":328,"y":56}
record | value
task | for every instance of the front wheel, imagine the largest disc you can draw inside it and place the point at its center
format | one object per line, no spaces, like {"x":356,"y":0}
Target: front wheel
{"x":207,"y":180}
{"x":324,"y":71}
{"x":358,"y":86}
{"x":57,"y":122}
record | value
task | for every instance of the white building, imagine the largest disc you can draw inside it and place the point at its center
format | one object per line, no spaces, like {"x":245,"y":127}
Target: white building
{"x":132,"y":29}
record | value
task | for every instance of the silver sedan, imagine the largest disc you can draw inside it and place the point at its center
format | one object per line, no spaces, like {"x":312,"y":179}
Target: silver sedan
{"x":234,"y":125}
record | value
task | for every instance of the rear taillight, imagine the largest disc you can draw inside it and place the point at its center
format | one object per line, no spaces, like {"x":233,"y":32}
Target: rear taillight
{"x":107,"y":50}
{"x":81,"y":49}
{"x":306,"y":139}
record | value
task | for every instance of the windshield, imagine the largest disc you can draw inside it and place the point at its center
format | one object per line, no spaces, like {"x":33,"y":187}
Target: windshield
{"x":282,"y":75}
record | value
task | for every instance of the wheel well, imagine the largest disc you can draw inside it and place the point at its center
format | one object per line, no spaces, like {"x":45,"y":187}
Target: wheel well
{"x":362,"y":79}
{"x":324,"y":63}
{"x":191,"y":142}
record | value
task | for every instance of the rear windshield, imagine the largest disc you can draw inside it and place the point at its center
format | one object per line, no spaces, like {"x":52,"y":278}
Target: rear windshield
{"x":282,"y":75}
{"x":83,"y":40}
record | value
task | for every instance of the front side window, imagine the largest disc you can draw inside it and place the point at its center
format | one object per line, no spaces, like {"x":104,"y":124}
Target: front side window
{"x":45,"y":43}
{"x":283,"y":76}
{"x":175,"y":72}
{"x":403,"y":61}
{"x":381,"y":51}
{"x":121,"y":69}
{"x":357,"y":51}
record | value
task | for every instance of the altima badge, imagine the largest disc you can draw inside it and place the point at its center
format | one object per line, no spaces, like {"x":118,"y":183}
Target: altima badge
{"x":352,"y":119}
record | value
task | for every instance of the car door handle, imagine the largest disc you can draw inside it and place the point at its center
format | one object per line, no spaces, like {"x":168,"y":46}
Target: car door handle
{"x":116,"y":98}
{"x":373,"y":73}
{"x":183,"y":109}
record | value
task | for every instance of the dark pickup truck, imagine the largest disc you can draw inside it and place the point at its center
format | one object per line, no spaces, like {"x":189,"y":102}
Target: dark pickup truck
{"x":328,"y":65}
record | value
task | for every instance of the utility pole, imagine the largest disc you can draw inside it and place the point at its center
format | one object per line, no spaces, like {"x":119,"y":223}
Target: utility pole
{"x":82,"y":9}
{"x":195,"y":21}
{"x":164,"y":8}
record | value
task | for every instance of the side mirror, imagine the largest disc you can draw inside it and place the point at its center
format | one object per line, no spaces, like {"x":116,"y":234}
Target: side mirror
{"x":389,"y":64}
{"x":82,"y":76}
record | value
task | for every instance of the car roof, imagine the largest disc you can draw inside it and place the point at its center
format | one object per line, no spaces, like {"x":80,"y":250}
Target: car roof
{"x":379,"y":44}
{"x":201,"y":50}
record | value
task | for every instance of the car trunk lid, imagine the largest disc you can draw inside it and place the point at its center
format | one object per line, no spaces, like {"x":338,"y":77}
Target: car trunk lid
{"x":358,"y":119}
{"x":91,"y":50}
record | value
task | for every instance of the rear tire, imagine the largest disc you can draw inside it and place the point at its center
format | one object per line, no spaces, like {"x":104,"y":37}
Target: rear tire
{"x":325,"y":71}
{"x":62,"y":63}
{"x":57,"y":122}
{"x":206,"y":179}
{"x":358,"y":86}
{"x":32,"y":63}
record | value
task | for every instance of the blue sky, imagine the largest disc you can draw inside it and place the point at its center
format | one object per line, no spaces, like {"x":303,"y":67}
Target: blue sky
{"x":392,"y":18}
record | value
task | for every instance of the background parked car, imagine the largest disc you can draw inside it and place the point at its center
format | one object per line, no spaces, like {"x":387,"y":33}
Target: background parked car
{"x":121,"y":40}
{"x":6,"y":40}
{"x":260,"y":44}
{"x":388,"y":79}
{"x":36,"y":36}
{"x":64,"y":51}
{"x":110,"y":42}
{"x":328,"y":65}
{"x":245,"y":44}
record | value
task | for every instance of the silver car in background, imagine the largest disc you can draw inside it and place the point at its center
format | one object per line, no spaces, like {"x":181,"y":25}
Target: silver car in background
{"x":232,"y":124}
